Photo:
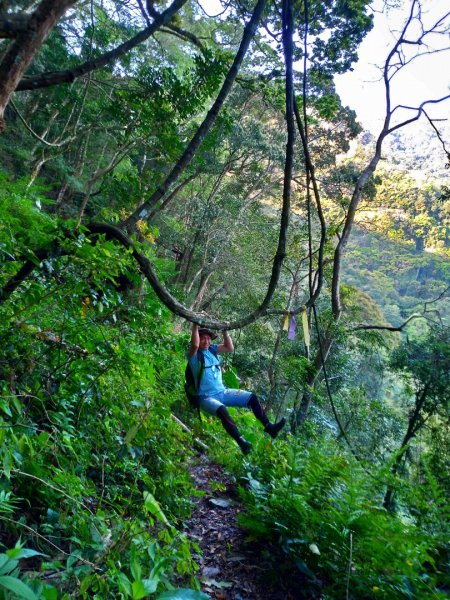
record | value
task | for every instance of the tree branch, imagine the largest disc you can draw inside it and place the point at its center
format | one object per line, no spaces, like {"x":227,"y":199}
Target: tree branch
{"x":143,"y":211}
{"x":172,"y":195}
{"x":35,"y":135}
{"x":184,"y":35}
{"x":146,"y":267}
{"x":69,"y":75}
{"x":363,"y":326}
{"x":369,"y":170}
{"x":418,"y":109}
{"x":288,"y":46}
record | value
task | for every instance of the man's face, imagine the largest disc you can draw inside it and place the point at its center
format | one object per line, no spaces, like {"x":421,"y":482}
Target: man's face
{"x":205,"y":341}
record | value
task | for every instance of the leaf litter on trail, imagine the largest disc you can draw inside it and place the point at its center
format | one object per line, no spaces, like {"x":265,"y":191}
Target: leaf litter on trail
{"x":232,"y":566}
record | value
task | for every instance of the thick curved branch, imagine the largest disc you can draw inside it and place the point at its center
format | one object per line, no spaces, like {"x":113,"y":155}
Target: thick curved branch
{"x":69,"y":75}
{"x":26,"y":269}
{"x":349,"y":220}
{"x":21,"y":275}
{"x":311,"y":178}
{"x":350,"y":216}
{"x":164,"y":295}
{"x":143,"y":211}
{"x":146,"y":267}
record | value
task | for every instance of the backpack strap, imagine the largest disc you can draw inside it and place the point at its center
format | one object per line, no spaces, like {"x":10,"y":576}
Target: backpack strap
{"x":200,"y":370}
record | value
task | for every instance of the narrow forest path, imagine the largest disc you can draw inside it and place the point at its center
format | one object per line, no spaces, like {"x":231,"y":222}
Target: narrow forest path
{"x":231,"y":567}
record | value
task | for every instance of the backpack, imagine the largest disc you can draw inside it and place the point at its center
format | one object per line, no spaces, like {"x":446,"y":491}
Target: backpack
{"x":190,"y":387}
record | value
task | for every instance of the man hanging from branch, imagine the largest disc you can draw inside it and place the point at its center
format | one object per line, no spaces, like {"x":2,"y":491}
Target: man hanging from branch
{"x":213,"y":396}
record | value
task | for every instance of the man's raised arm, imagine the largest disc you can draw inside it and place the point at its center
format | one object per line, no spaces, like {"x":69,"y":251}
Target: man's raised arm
{"x":227,"y":345}
{"x":195,"y":340}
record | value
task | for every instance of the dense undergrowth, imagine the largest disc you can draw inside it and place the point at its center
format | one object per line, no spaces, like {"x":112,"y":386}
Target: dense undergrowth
{"x":319,"y":514}
{"x":94,"y":468}
{"x":93,"y":483}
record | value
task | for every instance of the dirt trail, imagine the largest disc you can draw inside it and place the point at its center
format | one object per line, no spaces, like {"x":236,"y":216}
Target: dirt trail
{"x":231,"y":567}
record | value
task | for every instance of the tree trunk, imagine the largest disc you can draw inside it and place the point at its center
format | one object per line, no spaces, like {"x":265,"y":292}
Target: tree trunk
{"x":301,"y":414}
{"x":187,"y":258}
{"x":414,"y":424}
{"x":205,"y":276}
{"x":37,"y":169}
{"x":60,"y":197}
{"x":271,"y":371}
{"x":420,"y":244}
{"x":25,"y":47}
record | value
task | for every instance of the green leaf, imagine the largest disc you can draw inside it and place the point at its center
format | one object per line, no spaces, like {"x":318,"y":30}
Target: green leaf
{"x":150,"y":585}
{"x":136,"y":568}
{"x":3,"y":561}
{"x":50,"y":593}
{"x":86,"y":583}
{"x":7,"y":464}
{"x":72,"y":560}
{"x":132,"y":433}
{"x":138,"y":590}
{"x":17,"y":587}
{"x":230,"y":379}
{"x":6,"y":564}
{"x":5,"y":407}
{"x":124,"y":584}
{"x":182,"y":594}
{"x":17,"y":553}
{"x":159,"y":566}
{"x":153,"y":507}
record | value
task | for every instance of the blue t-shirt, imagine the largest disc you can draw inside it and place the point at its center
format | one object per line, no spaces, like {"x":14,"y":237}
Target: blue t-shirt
{"x":211,"y":381}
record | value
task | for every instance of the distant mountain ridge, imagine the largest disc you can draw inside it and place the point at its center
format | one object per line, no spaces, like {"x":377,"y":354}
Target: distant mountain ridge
{"x":418,"y":150}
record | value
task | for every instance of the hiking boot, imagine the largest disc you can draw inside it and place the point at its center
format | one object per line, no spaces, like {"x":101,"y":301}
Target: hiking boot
{"x":273,"y":429}
{"x":244,"y":445}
